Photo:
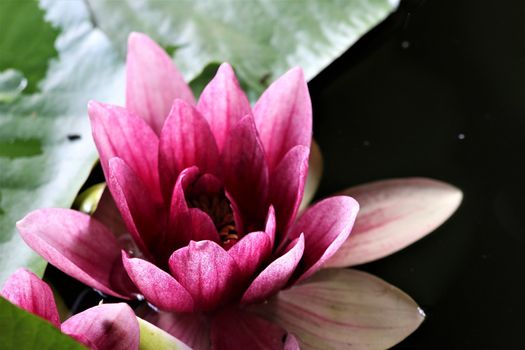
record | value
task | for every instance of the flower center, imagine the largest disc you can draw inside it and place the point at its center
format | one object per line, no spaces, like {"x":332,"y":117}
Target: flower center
{"x":218,"y":207}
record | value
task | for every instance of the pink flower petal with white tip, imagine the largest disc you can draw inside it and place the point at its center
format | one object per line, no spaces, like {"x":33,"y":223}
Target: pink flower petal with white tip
{"x":245,"y":171}
{"x":339,"y":309}
{"x":234,"y":329}
{"x":394,"y":214}
{"x":119,"y":133}
{"x":326,"y":226}
{"x":223,"y":103}
{"x":283,"y":116}
{"x":275,"y":276}
{"x":207,"y":272}
{"x":158,"y":286}
{"x":27,"y":291}
{"x":80,"y":246}
{"x":105,"y":327}
{"x":186,"y":140}
{"x":153,"y":81}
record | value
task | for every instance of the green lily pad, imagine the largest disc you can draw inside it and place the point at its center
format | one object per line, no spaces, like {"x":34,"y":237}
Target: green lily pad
{"x":46,"y":151}
{"x":26,"y":40}
{"x":260,"y":38}
{"x":22,"y":330}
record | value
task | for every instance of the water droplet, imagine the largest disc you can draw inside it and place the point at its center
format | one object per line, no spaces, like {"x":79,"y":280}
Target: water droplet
{"x":100,"y":293}
{"x":139,"y":297}
{"x":421,"y":312}
{"x":156,"y":309}
{"x":461,"y":136}
{"x":12,"y":83}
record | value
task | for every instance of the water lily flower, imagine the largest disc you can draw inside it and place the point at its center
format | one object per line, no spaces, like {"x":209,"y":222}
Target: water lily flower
{"x":103,"y":327}
{"x":202,"y":218}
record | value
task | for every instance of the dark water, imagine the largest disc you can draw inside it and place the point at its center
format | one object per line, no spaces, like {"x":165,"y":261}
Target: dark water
{"x":438,"y":90}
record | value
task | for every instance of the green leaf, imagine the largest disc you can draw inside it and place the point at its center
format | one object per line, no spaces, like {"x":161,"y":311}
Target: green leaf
{"x":260,"y":38}
{"x":26,"y":40}
{"x":46,"y":150}
{"x":21,"y":330}
{"x":154,"y":338}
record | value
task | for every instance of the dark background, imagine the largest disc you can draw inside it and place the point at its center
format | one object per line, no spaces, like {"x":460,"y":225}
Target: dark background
{"x":437,"y":90}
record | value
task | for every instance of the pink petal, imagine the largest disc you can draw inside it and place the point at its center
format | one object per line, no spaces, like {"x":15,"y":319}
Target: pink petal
{"x":250,"y":252}
{"x":315,"y":172}
{"x":223,"y":103}
{"x":283,"y":116}
{"x":179,"y":231}
{"x":79,"y":246}
{"x":202,"y":226}
{"x":109,"y":215}
{"x":275,"y":276}
{"x":24,"y":289}
{"x":271,"y":226}
{"x":287,"y":185}
{"x":207,"y":272}
{"x":291,"y":343}
{"x":157,"y":286}
{"x":339,"y":309}
{"x":326,"y":226}
{"x":207,"y":184}
{"x":185,"y":140}
{"x":245,"y":171}
{"x":153,"y":81}
{"x":185,"y":224}
{"x":234,"y":329}
{"x":394,"y":214}
{"x":139,"y":211}
{"x":107,"y":327}
{"x":191,"y":328}
{"x":119,"y":133}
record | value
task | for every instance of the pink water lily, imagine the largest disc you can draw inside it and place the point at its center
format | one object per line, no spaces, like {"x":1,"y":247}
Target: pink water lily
{"x":201,"y":219}
{"x":103,"y":327}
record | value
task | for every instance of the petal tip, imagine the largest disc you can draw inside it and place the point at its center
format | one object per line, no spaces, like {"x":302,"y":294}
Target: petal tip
{"x":226,"y":67}
{"x":137,"y":38}
{"x":93,"y":107}
{"x":446,"y":195}
{"x":296,"y":73}
{"x":455,"y":196}
{"x":422,"y":313}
